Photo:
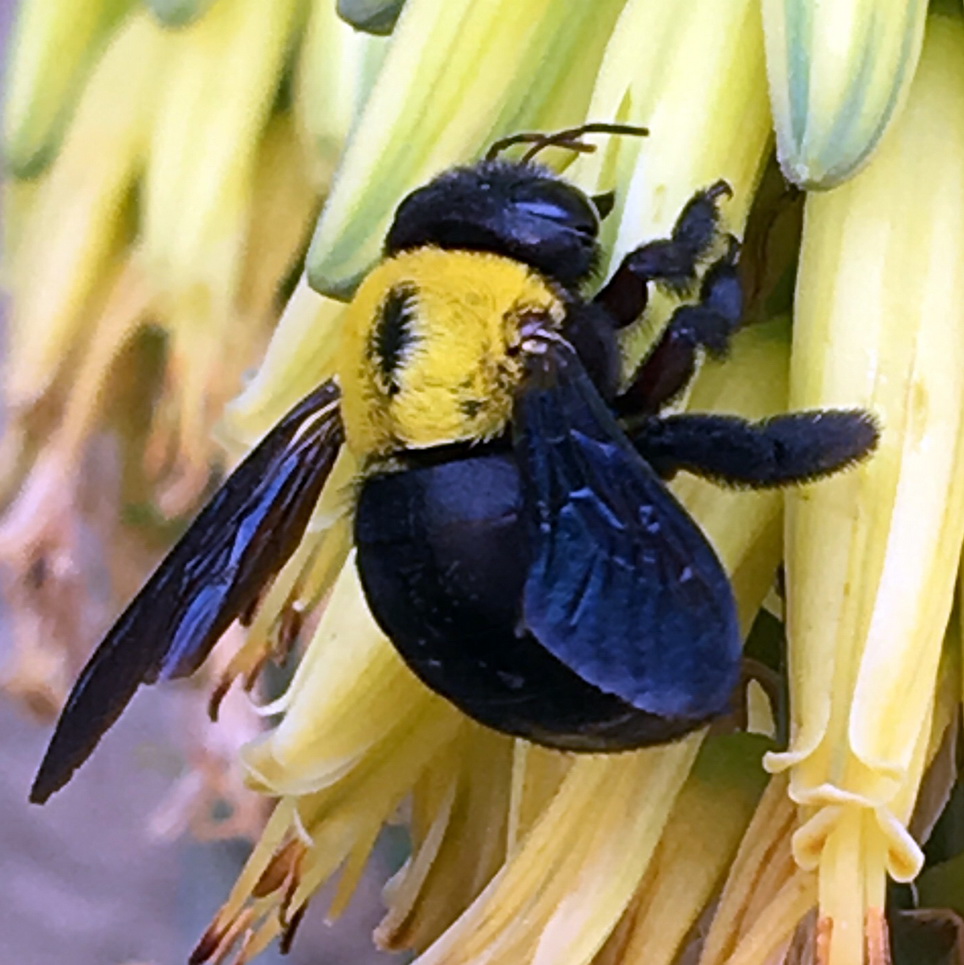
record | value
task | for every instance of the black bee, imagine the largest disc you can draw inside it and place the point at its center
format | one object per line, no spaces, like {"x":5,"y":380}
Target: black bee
{"x":515,"y":539}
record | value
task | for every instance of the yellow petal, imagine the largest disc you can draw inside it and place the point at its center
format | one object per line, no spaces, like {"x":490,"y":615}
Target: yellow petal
{"x":872,"y":555}
{"x":537,"y":774}
{"x":765,"y":894}
{"x":196,"y":203}
{"x":457,"y":75}
{"x":695,"y":77}
{"x":284,"y":204}
{"x":203,"y":148}
{"x":337,"y":67}
{"x":575,"y":867}
{"x":80,"y":219}
{"x":459,"y":822}
{"x":701,"y":837}
{"x":697,"y":80}
{"x":351,"y":698}
{"x":54,"y":47}
{"x":311,"y":837}
{"x":300,"y":356}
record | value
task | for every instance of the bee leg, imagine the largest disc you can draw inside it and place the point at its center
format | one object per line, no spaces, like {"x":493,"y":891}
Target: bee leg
{"x":786,"y":449}
{"x":670,"y":262}
{"x":706,"y":325}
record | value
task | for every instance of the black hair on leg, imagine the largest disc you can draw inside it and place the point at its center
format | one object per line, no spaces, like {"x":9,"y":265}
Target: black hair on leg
{"x":670,"y":262}
{"x":794,"y":448}
{"x":707,"y":325}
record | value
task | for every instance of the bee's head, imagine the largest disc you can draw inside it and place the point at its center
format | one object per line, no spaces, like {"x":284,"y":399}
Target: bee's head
{"x":517,"y":209}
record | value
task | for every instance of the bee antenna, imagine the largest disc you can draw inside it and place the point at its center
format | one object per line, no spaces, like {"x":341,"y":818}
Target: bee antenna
{"x":570,"y":138}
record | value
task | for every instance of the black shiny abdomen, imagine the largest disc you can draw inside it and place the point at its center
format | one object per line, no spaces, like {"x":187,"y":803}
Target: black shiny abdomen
{"x":443,"y":560}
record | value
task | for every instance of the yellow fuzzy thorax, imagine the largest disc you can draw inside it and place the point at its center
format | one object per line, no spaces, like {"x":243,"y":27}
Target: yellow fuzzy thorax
{"x":430,"y":350}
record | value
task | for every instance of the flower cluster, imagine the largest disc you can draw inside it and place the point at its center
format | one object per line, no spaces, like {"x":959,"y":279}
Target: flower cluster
{"x":167,"y":160}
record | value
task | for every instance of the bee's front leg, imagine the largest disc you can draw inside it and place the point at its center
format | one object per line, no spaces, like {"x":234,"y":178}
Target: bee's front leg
{"x":707,"y":325}
{"x":671,"y":262}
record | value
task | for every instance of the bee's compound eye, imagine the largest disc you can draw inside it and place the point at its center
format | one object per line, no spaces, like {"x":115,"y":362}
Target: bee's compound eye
{"x":559,"y":203}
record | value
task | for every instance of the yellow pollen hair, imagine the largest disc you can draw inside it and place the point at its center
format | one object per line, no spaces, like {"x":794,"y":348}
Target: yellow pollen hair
{"x":430,"y":348}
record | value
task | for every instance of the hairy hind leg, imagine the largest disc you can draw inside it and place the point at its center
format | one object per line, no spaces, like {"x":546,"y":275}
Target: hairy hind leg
{"x":794,"y":448}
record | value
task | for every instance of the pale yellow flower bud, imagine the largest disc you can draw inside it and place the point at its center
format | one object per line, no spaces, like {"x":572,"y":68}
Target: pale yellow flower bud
{"x":839,"y":74}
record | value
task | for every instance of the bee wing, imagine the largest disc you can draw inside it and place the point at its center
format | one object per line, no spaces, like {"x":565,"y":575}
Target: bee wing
{"x":623,"y":586}
{"x":213,"y":574}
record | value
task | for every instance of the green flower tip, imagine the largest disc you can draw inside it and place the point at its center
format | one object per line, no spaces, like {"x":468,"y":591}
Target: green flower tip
{"x":370,"y":16}
{"x":178,"y":13}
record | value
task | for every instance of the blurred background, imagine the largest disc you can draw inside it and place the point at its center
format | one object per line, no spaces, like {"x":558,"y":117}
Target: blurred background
{"x":85,"y":880}
{"x":100,"y":876}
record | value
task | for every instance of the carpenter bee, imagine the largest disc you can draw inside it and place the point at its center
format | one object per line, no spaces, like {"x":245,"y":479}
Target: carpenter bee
{"x":515,"y":538}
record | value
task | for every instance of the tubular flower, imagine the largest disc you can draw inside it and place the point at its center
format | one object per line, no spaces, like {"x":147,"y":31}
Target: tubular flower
{"x":190,"y":176}
{"x":867,"y":611}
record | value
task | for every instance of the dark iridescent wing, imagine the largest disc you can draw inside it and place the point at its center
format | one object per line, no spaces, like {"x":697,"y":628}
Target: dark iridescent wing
{"x":214,"y":573}
{"x":623,"y":586}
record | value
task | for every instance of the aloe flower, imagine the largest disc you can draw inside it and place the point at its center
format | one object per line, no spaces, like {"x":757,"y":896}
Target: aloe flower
{"x":866,"y":619}
{"x":220,"y":171}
